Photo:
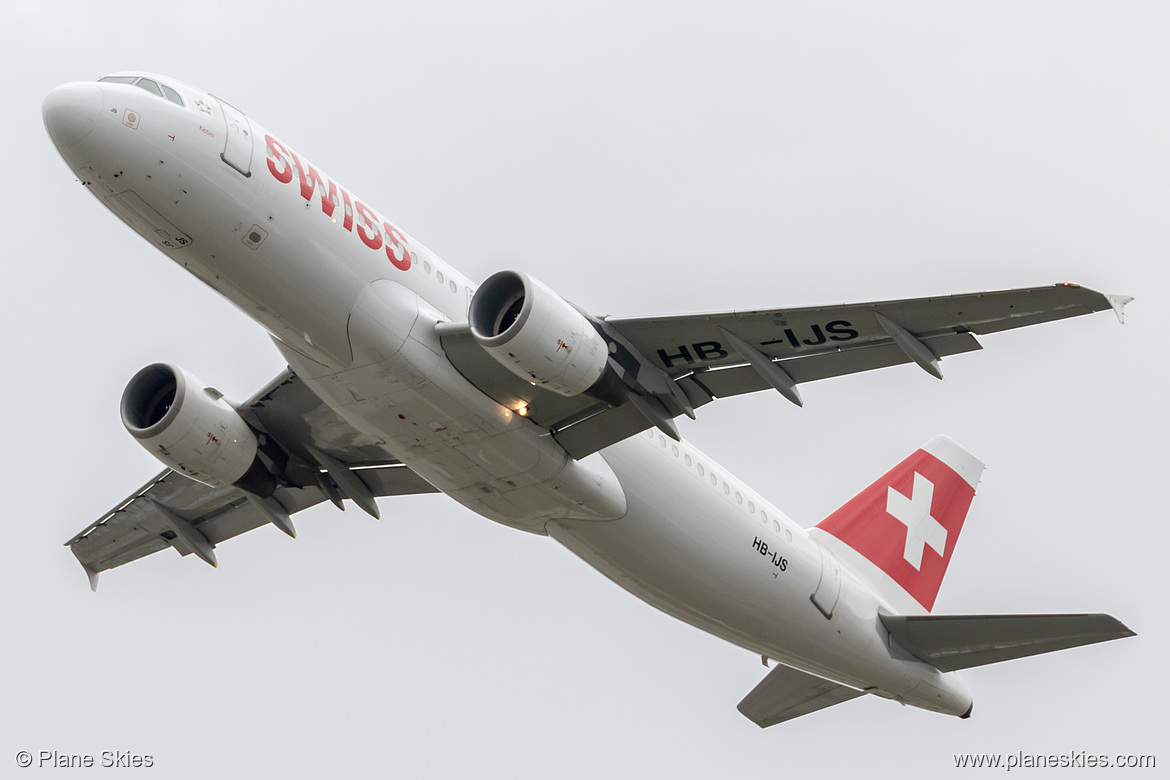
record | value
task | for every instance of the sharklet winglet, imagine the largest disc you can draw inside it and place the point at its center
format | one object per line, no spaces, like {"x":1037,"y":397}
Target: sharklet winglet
{"x":1118,"y":303}
{"x":93,"y":577}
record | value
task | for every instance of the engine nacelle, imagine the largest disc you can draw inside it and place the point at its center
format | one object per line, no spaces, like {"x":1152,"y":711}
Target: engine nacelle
{"x":539,"y":336}
{"x":192,"y":429}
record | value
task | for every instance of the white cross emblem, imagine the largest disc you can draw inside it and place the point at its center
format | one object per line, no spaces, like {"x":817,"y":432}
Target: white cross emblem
{"x":914,"y":513}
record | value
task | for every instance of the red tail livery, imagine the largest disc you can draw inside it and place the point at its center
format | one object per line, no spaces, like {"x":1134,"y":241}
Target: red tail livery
{"x":908,"y":522}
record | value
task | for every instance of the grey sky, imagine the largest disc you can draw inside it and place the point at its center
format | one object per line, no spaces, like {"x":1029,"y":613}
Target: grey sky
{"x":639,"y":158}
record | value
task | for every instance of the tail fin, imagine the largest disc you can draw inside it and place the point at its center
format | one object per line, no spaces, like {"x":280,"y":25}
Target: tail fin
{"x":900,"y":532}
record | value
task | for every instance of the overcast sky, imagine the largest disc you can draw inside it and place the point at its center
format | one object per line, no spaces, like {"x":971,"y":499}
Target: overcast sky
{"x":640,"y":158}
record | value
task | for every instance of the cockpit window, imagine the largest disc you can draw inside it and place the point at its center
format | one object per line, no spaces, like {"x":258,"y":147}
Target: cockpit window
{"x":172,"y":95}
{"x":150,"y":86}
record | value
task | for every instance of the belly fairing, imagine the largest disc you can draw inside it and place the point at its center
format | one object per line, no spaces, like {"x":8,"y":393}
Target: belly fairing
{"x":402,"y":390}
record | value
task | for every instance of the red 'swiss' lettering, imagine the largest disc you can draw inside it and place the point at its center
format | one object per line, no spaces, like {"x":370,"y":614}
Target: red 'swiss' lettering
{"x":396,"y":247}
{"x":372,"y":240}
{"x":374,"y":231}
{"x":346,"y":223}
{"x":278,"y":154}
{"x":311,"y":179}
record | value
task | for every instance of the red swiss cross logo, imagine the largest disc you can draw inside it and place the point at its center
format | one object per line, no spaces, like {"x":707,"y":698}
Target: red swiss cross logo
{"x":907,"y":523}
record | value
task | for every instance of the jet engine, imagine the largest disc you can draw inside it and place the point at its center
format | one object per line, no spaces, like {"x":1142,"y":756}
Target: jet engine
{"x":542,"y":338}
{"x":192,"y":429}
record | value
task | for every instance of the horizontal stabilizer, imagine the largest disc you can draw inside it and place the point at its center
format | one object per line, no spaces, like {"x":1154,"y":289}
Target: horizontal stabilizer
{"x":952,"y":642}
{"x":788,"y":693}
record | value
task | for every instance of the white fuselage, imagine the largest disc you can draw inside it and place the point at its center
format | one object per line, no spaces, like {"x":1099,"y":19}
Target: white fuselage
{"x":352,"y":303}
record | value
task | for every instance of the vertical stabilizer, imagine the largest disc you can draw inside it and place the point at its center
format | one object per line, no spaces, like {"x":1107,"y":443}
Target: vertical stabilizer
{"x":899,"y":533}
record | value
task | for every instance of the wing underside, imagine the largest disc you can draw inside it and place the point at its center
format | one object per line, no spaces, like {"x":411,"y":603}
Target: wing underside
{"x":174,"y":511}
{"x":677,"y":364}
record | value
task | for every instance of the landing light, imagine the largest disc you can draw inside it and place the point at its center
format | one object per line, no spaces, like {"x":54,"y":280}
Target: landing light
{"x":522,"y":410}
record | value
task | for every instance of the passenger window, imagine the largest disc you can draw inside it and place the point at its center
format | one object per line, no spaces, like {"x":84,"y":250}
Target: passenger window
{"x":439,"y":276}
{"x":172,"y":95}
{"x":714,"y":479}
{"x":454,"y":287}
{"x":700,"y":469}
{"x":426,"y":266}
{"x":763,"y":516}
{"x":687,"y":458}
{"x":726,"y":489}
{"x":674,"y":449}
{"x":150,"y":86}
{"x":776,"y":526}
{"x":751,"y":507}
{"x":738,"y":498}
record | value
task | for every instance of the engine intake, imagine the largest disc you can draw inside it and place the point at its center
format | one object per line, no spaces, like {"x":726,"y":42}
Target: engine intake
{"x":192,"y":429}
{"x":542,"y":338}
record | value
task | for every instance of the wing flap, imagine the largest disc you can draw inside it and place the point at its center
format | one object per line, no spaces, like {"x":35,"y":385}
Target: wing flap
{"x":953,"y":642}
{"x":608,"y":425}
{"x":788,"y":693}
{"x":137,"y":528}
{"x":745,"y":379}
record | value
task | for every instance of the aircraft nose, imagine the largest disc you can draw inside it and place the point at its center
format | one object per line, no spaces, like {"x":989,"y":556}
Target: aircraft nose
{"x":71,"y":112}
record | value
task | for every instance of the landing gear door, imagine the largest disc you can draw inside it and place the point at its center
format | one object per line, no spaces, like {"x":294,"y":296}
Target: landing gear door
{"x":237,"y":150}
{"x":829,"y":587}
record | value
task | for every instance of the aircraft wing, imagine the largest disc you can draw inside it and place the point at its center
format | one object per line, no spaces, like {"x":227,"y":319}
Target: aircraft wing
{"x":678,"y":363}
{"x":173,"y":511}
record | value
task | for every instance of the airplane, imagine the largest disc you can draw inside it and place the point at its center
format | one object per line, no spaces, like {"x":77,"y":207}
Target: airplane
{"x":404,"y":377}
